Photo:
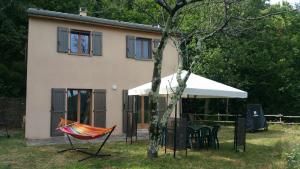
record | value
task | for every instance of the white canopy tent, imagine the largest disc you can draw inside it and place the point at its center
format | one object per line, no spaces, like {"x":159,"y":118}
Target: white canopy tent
{"x":196,"y":86}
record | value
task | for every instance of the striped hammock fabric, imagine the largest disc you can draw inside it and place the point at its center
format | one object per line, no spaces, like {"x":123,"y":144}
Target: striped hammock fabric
{"x":82,"y":131}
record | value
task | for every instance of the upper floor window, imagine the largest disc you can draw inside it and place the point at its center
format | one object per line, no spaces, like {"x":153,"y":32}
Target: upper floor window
{"x":139,"y":48}
{"x":143,"y":48}
{"x":80,"y":42}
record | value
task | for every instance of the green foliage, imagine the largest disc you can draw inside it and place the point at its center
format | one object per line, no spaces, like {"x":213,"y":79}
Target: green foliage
{"x":264,"y":150}
{"x":12,"y":46}
{"x":138,"y":11}
{"x":293,"y":158}
{"x":264,"y":59}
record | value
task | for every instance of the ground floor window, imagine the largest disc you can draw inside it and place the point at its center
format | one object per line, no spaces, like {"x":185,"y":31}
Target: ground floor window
{"x":79,"y":105}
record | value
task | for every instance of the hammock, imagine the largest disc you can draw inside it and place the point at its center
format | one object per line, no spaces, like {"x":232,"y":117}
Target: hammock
{"x":83,"y":132}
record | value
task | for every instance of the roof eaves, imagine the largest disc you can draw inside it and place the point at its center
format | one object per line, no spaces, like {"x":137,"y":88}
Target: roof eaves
{"x":88,"y":19}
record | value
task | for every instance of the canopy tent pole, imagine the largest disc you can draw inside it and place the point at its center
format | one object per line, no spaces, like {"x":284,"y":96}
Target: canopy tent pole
{"x":132,"y":120}
{"x":227,"y":100}
{"x":180,"y":107}
{"x":132,"y":114}
{"x":227,"y":105}
{"x":166,"y":128}
{"x":175,"y":127}
{"x":127,"y":110}
{"x":136,"y":119}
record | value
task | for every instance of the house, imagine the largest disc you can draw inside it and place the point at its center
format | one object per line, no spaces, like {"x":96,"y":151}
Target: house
{"x":80,"y":67}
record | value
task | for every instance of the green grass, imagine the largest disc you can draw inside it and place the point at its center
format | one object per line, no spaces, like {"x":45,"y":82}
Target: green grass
{"x":277,"y":148}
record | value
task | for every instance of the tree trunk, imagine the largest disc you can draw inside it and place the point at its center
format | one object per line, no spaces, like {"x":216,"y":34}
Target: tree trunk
{"x":156,"y":124}
{"x":154,"y":128}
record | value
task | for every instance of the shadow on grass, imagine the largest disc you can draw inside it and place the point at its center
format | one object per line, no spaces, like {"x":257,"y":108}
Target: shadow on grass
{"x":14,"y":154}
{"x":134,"y":156}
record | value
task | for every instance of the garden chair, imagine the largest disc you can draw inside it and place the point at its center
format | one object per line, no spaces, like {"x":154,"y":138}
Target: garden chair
{"x":205,"y":132}
{"x":213,"y":139}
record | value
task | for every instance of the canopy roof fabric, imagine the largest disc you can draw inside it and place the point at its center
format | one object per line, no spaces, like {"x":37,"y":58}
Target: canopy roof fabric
{"x":196,"y":86}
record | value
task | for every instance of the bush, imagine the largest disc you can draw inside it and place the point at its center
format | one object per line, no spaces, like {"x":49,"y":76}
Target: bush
{"x":293,"y":158}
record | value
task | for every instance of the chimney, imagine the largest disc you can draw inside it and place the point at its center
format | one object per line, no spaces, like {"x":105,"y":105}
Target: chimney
{"x":82,"y":11}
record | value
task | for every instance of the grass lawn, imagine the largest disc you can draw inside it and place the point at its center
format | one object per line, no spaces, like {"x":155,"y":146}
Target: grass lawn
{"x":277,"y":148}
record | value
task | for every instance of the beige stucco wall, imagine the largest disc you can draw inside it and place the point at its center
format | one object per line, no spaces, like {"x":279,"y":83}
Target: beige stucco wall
{"x":48,"y":69}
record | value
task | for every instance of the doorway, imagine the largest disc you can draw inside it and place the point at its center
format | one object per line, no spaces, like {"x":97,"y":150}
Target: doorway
{"x":79,"y":105}
{"x":143,"y":112}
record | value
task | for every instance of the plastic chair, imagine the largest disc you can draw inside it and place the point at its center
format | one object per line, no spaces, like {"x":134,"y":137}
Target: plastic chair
{"x":204,"y":137}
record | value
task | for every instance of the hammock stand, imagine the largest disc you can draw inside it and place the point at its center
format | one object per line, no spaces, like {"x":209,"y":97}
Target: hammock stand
{"x":65,"y":124}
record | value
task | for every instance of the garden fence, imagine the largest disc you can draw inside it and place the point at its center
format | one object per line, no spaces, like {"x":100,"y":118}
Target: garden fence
{"x":229,"y":118}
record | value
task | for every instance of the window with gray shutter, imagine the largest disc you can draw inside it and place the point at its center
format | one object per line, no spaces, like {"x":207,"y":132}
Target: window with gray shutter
{"x":58,"y":108}
{"x":62,"y":40}
{"x":97,"y":44}
{"x":130,"y":46}
{"x":100,"y":108}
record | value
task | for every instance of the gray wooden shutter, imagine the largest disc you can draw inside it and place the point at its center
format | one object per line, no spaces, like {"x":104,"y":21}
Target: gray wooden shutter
{"x":62,"y":40}
{"x":150,"y":51}
{"x":127,"y":109}
{"x":130,"y":46}
{"x":97,"y":44}
{"x":156,"y":43}
{"x":100,"y":108}
{"x":58,"y":104}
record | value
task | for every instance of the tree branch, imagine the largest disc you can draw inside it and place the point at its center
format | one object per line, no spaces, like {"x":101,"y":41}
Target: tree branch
{"x":262,"y":17}
{"x":1,"y":9}
{"x":164,"y":5}
{"x":141,"y":9}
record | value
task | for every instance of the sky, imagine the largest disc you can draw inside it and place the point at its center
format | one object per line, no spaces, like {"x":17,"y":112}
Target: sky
{"x":290,"y":1}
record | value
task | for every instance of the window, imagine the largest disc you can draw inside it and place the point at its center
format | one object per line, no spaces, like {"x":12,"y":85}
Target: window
{"x":80,"y":42}
{"x":138,"y":48}
{"x":142,"y":48}
{"x":143,"y":111}
{"x":79,"y":106}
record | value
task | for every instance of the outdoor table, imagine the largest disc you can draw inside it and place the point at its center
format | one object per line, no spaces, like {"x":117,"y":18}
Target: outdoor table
{"x":197,"y":127}
{"x":196,"y":130}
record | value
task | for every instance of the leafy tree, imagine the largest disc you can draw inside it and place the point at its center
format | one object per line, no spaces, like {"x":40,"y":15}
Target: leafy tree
{"x":262,"y":61}
{"x":12,"y":46}
{"x":191,"y":24}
